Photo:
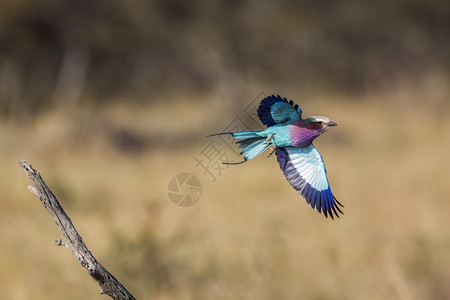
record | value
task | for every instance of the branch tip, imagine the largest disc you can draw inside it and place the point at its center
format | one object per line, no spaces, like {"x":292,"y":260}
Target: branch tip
{"x":33,"y":189}
{"x":73,"y":241}
{"x":59,"y":242}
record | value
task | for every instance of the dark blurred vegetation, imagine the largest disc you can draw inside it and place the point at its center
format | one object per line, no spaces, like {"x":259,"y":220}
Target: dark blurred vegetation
{"x":55,"y":51}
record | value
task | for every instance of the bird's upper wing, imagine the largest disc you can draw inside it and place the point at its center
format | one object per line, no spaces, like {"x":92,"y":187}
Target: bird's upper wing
{"x":274,"y":110}
{"x":305,"y":171}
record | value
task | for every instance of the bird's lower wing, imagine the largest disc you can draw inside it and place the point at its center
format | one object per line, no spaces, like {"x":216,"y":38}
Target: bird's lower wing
{"x":305,"y":171}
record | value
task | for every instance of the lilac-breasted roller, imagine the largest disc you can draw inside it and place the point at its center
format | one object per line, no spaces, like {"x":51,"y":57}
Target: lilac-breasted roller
{"x":292,"y":138}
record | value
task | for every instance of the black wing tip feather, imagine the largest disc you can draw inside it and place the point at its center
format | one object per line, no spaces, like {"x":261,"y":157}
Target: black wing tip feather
{"x":332,"y":207}
{"x":338,"y":202}
{"x":278,"y":98}
{"x":335,"y":205}
{"x":295,"y":106}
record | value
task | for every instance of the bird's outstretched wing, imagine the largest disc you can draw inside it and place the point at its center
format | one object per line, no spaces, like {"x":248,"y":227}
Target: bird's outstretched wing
{"x":305,"y":171}
{"x":274,"y":110}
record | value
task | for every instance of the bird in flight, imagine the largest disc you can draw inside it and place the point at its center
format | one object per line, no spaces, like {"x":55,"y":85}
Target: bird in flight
{"x":291,"y":138}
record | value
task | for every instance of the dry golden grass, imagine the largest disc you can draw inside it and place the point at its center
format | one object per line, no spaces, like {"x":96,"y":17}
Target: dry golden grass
{"x":250,"y":236}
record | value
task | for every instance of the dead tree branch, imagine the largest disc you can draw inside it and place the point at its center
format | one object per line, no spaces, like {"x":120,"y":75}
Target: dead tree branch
{"x":72,"y":240}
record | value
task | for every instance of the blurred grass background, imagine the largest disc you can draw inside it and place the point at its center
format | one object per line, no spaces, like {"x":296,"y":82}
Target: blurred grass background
{"x":110,"y":99}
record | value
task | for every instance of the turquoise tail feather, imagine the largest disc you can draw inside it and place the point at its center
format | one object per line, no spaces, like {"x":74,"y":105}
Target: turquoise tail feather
{"x":246,"y":142}
{"x":255,"y":149}
{"x":248,"y":134}
{"x":252,"y":142}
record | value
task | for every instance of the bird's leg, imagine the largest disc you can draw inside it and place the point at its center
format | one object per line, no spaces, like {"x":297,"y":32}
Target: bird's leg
{"x":272,"y":151}
{"x":269,"y":138}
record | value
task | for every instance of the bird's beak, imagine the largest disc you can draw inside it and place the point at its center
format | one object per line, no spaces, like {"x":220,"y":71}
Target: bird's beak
{"x":331,"y":123}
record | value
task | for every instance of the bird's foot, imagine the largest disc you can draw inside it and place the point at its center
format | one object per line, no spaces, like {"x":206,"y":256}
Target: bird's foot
{"x":272,"y":151}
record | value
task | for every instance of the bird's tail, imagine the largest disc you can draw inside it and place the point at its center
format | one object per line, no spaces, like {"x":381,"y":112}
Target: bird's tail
{"x":253,"y":143}
{"x":241,"y":134}
{"x":253,"y":147}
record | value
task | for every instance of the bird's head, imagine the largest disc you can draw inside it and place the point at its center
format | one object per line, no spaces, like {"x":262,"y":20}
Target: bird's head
{"x":319,"y":123}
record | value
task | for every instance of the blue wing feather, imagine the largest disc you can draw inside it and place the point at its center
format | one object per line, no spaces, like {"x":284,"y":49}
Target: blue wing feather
{"x":318,"y":202}
{"x":274,"y":110}
{"x":305,"y":171}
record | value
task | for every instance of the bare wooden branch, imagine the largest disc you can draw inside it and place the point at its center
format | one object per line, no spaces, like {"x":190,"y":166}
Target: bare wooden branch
{"x":72,"y":240}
